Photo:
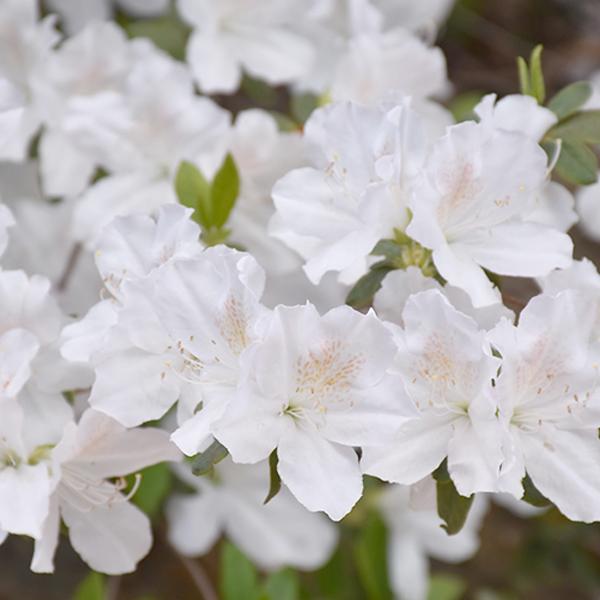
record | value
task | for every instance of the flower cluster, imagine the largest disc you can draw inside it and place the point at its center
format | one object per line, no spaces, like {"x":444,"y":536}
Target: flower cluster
{"x":308,"y":304}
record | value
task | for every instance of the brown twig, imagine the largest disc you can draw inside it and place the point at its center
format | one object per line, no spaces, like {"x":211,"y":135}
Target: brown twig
{"x":62,"y":283}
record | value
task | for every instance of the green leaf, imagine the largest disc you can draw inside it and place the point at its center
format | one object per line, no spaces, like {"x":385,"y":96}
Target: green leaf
{"x":389,"y":248}
{"x":283,"y":585}
{"x":582,"y":127}
{"x":532,"y":495}
{"x":168,"y":33}
{"x":225,"y":189}
{"x":205,"y":461}
{"x":370,"y":554}
{"x":462,"y":106}
{"x":238,"y":577}
{"x":538,"y":88}
{"x":577,"y":164}
{"x":93,"y":587}
{"x":193,"y":191}
{"x":452,"y":507}
{"x":361,"y":295}
{"x":274,"y":479}
{"x":524,"y":81}
{"x":446,"y":587}
{"x":302,"y":106}
{"x":154,"y":487}
{"x":570,"y":99}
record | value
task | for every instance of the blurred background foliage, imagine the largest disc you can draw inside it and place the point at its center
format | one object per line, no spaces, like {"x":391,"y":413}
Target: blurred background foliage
{"x":540,"y":558}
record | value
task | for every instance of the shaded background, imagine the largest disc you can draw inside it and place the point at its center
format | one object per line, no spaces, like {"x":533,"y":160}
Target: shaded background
{"x":542,"y":558}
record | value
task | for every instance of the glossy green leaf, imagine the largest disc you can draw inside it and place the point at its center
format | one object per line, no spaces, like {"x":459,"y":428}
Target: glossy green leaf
{"x":93,"y":587}
{"x":446,"y":587}
{"x":370,"y":554}
{"x":238,"y":577}
{"x":193,"y":191}
{"x":532,"y":495}
{"x":570,"y":99}
{"x":154,"y":487}
{"x":283,"y":585}
{"x":582,"y":127}
{"x":225,"y":189}
{"x":452,"y":508}
{"x":361,"y":295}
{"x":274,"y":479}
{"x":577,"y":164}
{"x":205,"y":461}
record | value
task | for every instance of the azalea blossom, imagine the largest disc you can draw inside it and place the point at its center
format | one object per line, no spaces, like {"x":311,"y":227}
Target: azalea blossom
{"x":255,"y":36}
{"x":470,"y":205}
{"x":416,"y":535}
{"x":315,"y":388}
{"x":447,"y":368}
{"x":546,"y":399}
{"x":25,"y":44}
{"x":110,"y":534}
{"x":274,"y":535}
{"x":364,"y":161}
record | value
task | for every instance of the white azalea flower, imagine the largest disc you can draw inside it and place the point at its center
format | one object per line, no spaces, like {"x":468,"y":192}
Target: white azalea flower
{"x":415,"y":535}
{"x":587,"y":198}
{"x":141,"y":136}
{"x":209,"y":308}
{"x":316,"y":387}
{"x":470,"y":205}
{"x":25,"y":45}
{"x":274,"y":535}
{"x":545,"y":395}
{"x":76,"y":14}
{"x":399,"y":285}
{"x":447,"y":368}
{"x":260,"y":165}
{"x":96,"y":61}
{"x":254,"y":35}
{"x":335,"y":212}
{"x":110,"y":534}
{"x":7,"y":220}
{"x":26,"y":478}
{"x":375,"y":68}
{"x":554,"y":203}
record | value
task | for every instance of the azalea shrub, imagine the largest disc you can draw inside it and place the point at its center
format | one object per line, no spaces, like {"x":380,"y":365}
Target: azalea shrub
{"x":286,"y":338}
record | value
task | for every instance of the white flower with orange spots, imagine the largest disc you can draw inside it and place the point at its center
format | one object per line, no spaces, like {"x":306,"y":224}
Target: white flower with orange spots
{"x":447,"y":368}
{"x":110,"y":534}
{"x":548,"y":402}
{"x":470,"y":205}
{"x":316,"y":387}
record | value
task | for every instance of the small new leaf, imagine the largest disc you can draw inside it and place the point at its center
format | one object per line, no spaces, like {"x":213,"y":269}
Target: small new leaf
{"x":570,"y":99}
{"x":193,"y":191}
{"x":453,"y":508}
{"x":205,"y":461}
{"x":274,"y":479}
{"x":531,"y":77}
{"x":225,"y":189}
{"x":538,"y":88}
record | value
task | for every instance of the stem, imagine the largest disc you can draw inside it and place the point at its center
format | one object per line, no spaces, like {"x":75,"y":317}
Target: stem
{"x":62,"y":283}
{"x":199,"y":576}
{"x":112,"y":588}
